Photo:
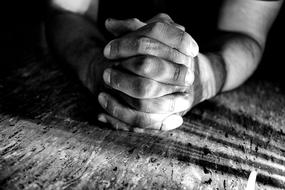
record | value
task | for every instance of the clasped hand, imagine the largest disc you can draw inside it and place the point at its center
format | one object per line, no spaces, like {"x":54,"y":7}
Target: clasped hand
{"x":155,"y":75}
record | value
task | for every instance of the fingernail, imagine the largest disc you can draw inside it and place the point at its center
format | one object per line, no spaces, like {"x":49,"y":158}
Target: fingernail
{"x":102,"y":118}
{"x":172,"y":122}
{"x":107,"y":50}
{"x":107,"y":76}
{"x":102,"y":100}
{"x":195,"y":49}
{"x":189,"y":78}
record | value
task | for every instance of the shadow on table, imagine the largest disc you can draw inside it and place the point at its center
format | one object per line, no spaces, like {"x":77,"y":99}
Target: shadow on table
{"x":38,"y":90}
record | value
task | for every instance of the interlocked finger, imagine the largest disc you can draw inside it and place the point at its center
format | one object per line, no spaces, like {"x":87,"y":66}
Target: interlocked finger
{"x":172,"y":103}
{"x":121,"y":27}
{"x":137,"y":86}
{"x":162,"y":17}
{"x":136,"y":119}
{"x":160,"y":70}
{"x":133,"y":45}
{"x":128,"y":115}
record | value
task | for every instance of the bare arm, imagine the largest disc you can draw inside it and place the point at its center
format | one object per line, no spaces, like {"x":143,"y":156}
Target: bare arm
{"x":88,"y":8}
{"x":233,"y":58}
{"x":75,"y":38}
{"x":246,"y":25}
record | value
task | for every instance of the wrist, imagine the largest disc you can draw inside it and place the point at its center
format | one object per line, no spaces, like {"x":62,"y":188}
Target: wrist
{"x":212,"y":74}
{"x":219,"y":69}
{"x":91,"y":73}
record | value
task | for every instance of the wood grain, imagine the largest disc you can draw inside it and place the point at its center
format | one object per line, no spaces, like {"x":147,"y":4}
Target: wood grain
{"x":50,"y":139}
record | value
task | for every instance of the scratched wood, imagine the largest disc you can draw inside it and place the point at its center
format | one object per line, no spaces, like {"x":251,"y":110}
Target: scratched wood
{"x":50,"y":139}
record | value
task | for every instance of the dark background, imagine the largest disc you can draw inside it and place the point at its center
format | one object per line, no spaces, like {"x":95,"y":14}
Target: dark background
{"x":21,"y":25}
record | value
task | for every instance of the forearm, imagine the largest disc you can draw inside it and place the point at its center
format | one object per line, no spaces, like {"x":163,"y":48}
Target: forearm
{"x":232,"y":58}
{"x":239,"y":47}
{"x":77,"y":42}
{"x":241,"y":54}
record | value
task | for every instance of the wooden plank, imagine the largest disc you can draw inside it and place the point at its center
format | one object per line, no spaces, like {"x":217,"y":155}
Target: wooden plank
{"x":50,"y":138}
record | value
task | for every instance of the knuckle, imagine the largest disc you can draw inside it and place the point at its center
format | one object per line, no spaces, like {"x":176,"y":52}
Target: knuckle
{"x":186,"y":44}
{"x":190,"y":45}
{"x":176,"y":56}
{"x":144,"y":45}
{"x":183,"y":38}
{"x":177,"y":73}
{"x":158,"y":27}
{"x":146,"y":66}
{"x":163,"y":15}
{"x":185,"y":41}
{"x":186,"y":37}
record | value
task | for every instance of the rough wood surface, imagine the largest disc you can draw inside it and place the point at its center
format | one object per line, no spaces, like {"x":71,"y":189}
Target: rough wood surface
{"x":50,"y":139}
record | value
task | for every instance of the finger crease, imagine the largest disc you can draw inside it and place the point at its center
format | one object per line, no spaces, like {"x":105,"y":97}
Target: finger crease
{"x":176,"y":73}
{"x":181,"y":38}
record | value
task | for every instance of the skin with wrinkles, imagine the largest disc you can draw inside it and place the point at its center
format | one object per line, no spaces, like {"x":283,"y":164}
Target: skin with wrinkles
{"x":152,"y":72}
{"x":171,"y":89}
{"x":153,"y":87}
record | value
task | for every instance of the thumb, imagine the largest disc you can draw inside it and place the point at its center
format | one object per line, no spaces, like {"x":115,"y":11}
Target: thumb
{"x":162,"y":17}
{"x":121,"y":27}
{"x":172,"y":122}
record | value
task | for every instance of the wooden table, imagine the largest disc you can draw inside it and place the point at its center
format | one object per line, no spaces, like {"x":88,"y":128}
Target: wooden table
{"x":50,"y":139}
